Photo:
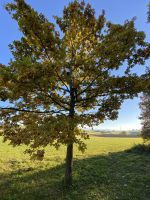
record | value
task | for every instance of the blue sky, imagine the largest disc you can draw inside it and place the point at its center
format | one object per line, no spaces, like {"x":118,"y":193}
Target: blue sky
{"x":117,"y":11}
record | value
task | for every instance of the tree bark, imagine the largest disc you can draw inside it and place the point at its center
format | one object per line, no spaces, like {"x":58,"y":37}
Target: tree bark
{"x":69,"y":164}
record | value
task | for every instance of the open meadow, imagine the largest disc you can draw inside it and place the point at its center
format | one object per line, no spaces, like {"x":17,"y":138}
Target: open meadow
{"x":104,"y":172}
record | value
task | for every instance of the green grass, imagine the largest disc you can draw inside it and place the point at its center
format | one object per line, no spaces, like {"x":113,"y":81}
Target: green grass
{"x":104,"y":172}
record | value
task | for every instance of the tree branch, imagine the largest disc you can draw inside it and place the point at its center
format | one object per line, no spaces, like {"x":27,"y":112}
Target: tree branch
{"x":89,"y":85}
{"x":32,"y":111}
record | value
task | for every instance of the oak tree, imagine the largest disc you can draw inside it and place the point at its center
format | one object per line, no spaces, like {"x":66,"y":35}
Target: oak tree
{"x":60,"y":80}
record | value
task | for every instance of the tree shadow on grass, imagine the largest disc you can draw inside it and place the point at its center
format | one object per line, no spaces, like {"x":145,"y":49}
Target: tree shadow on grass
{"x":121,"y":175}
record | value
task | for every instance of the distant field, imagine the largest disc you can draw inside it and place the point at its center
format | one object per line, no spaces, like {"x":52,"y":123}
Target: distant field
{"x":131,"y":133}
{"x":103,"y":172}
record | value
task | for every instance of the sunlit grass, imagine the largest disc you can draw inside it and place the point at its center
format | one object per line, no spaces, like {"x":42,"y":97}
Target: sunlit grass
{"x":95,"y":146}
{"x":104,"y":172}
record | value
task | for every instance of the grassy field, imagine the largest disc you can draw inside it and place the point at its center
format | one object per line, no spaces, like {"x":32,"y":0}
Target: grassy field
{"x":104,"y":172}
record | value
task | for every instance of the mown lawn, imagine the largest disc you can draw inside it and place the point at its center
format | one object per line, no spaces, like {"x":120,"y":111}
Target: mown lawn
{"x":104,"y":172}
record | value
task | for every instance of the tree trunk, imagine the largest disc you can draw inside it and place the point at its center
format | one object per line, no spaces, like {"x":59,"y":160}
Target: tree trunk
{"x":69,"y":163}
{"x":69,"y":155}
